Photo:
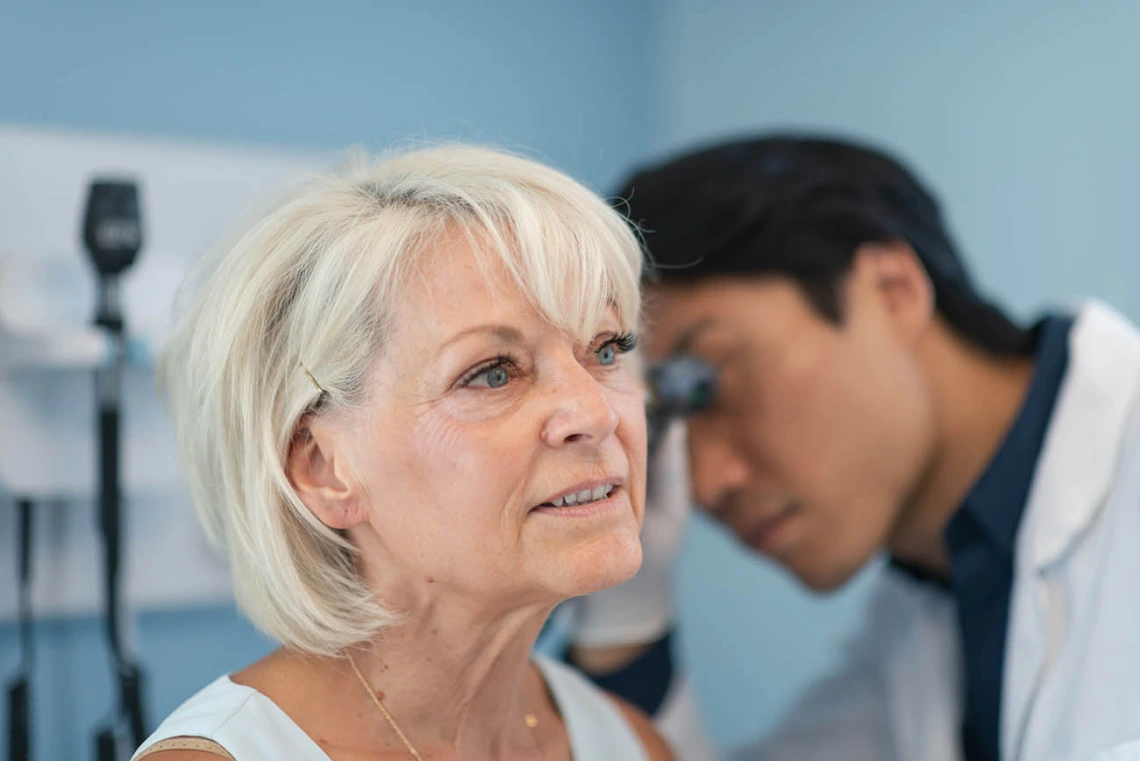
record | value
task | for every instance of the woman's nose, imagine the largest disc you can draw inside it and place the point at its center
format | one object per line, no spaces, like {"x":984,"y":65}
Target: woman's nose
{"x":582,"y":410}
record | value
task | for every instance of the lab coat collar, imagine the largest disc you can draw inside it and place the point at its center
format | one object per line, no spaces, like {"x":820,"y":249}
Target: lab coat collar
{"x":1080,"y":455}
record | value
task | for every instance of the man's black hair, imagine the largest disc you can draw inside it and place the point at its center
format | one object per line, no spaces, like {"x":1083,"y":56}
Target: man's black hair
{"x":799,"y":206}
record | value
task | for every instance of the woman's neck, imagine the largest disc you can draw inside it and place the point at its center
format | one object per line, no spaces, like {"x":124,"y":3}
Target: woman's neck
{"x":454,"y":680}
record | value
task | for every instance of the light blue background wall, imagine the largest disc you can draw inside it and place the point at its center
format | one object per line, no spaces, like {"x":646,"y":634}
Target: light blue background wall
{"x":1024,"y":115}
{"x":567,"y":80}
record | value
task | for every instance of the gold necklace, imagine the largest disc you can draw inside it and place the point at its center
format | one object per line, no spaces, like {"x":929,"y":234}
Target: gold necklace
{"x":530,"y":719}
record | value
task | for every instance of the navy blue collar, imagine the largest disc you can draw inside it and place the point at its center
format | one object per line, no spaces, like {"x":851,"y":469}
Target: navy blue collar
{"x":997,"y":500}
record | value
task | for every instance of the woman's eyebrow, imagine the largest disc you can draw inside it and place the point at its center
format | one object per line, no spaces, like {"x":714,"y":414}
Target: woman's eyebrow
{"x":505,"y":333}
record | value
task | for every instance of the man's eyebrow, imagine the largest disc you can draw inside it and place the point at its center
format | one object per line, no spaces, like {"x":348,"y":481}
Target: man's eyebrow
{"x":686,"y":340}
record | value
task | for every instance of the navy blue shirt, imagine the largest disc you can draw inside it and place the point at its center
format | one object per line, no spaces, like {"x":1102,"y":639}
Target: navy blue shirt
{"x":981,"y":538}
{"x":645,"y":681}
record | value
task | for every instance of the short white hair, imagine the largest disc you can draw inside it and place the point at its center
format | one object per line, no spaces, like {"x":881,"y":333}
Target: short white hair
{"x":309,"y":289}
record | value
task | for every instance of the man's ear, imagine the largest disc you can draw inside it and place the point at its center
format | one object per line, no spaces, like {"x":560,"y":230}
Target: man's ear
{"x":894,"y":272}
{"x":318,"y":473}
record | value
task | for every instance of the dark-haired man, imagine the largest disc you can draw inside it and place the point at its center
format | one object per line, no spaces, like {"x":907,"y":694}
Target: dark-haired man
{"x":872,"y":401}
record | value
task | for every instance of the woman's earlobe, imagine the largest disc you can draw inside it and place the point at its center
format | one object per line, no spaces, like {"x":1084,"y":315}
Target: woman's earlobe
{"x":312,"y":468}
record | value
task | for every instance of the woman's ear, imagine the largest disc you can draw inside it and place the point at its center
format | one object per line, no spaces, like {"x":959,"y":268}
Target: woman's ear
{"x":895,"y":273}
{"x":318,"y":473}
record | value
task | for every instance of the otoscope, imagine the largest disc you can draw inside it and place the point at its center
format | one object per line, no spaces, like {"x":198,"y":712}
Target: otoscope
{"x":112,"y":233}
{"x":680,"y":386}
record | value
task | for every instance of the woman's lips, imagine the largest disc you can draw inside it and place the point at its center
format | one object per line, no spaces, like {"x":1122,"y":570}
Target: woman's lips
{"x":616,"y":499}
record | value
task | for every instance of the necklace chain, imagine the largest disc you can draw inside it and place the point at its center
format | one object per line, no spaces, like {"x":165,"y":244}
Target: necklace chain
{"x":530,"y":719}
{"x":380,"y":704}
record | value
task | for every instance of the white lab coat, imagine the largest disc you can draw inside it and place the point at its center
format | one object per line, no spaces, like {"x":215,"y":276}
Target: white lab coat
{"x":1071,"y":686}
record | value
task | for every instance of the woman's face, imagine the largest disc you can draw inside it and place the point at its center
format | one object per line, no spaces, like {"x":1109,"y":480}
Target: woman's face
{"x":483,"y":419}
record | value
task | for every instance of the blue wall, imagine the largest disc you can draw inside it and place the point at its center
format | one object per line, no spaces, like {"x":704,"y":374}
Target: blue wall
{"x":568,"y":80}
{"x":1023,"y":114}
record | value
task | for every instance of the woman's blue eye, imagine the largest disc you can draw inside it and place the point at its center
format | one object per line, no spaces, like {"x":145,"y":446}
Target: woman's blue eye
{"x":607,"y":355}
{"x":497,"y":376}
{"x":495,"y":373}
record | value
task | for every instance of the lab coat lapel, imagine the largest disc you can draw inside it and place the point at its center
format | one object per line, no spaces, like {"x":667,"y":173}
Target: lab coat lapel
{"x":1075,"y":473}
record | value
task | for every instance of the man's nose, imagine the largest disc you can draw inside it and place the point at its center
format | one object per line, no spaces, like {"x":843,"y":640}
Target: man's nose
{"x":718,"y":470}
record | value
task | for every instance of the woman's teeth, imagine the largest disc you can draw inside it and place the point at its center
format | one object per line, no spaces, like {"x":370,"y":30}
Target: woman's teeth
{"x":583,"y":497}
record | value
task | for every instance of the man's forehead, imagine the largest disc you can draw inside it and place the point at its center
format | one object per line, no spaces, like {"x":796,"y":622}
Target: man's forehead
{"x":726,"y":298}
{"x":677,"y":334}
{"x":690,"y":333}
{"x":682,"y":315}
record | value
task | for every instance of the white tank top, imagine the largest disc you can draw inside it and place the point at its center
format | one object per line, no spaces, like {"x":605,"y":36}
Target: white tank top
{"x":252,"y":728}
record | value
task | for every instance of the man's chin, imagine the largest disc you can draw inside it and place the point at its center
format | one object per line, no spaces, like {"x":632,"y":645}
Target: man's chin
{"x":818,"y":578}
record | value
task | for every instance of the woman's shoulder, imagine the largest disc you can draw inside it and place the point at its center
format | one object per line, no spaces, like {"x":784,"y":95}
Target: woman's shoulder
{"x":212,"y":707}
{"x":600,"y":727}
{"x":184,"y":749}
{"x":184,"y":755}
{"x":204,"y":714}
{"x":230,"y":714}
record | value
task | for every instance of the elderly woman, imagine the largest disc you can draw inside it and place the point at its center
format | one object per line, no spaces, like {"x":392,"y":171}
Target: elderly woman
{"x":404,"y":411}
